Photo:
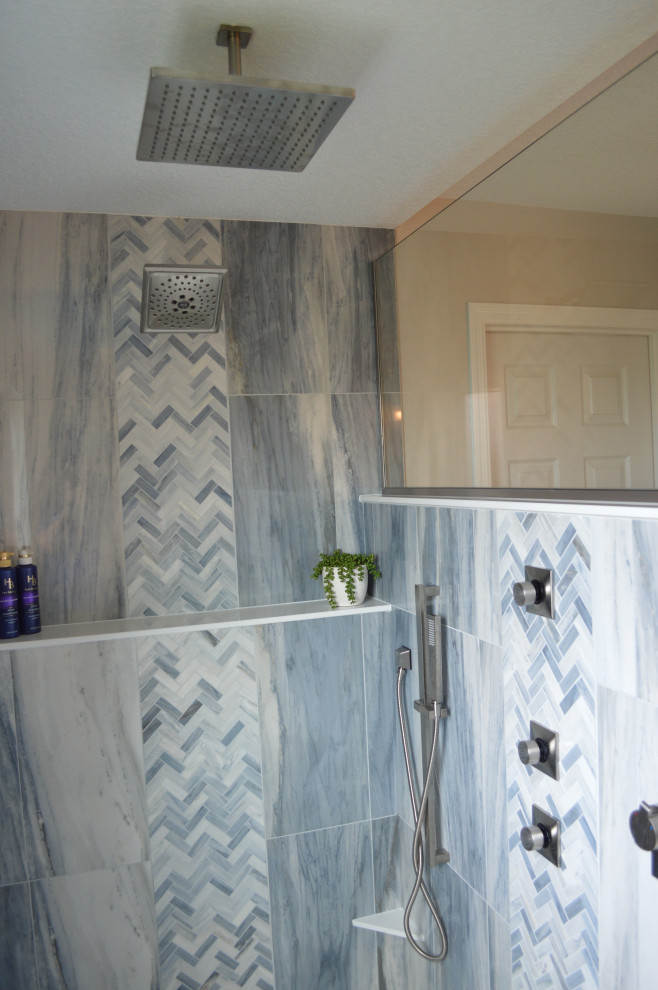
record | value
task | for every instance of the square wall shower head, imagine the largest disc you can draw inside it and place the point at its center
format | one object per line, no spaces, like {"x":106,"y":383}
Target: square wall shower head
{"x":182,"y":299}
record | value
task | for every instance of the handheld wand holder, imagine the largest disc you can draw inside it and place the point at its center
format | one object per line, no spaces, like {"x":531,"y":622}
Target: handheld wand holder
{"x":430,"y":683}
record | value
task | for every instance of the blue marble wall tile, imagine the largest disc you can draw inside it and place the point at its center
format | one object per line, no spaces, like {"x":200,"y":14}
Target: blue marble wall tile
{"x":96,"y":930}
{"x":348,"y":255}
{"x":14,"y":513}
{"x":80,"y":757}
{"x":627,"y":775}
{"x":391,"y":534}
{"x":13,"y":328}
{"x":645,"y":598}
{"x":12,"y":845}
{"x":356,"y":464}
{"x":491,"y":706}
{"x":549,"y":676}
{"x":59,"y":464}
{"x":458,"y":551}
{"x":73,"y":484}
{"x":283,"y":479}
{"x":614,"y":595}
{"x":203,"y":773}
{"x":312,"y":723}
{"x":461,"y":759}
{"x":277,"y":333}
{"x":500,"y":957}
{"x":319,"y":882}
{"x":387,"y":322}
{"x":647,"y":783}
{"x":57,"y":337}
{"x":620,"y":861}
{"x":398,"y":964}
{"x":466,"y":918}
{"x":62,"y":282}
{"x":625,"y":605}
{"x":17,"y":961}
{"x":382,"y":634}
{"x":174,"y":444}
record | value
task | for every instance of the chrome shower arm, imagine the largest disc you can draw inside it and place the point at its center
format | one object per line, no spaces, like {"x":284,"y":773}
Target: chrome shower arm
{"x":235,"y":38}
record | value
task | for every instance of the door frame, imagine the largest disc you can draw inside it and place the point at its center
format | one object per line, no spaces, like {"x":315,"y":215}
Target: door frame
{"x":484,"y":318}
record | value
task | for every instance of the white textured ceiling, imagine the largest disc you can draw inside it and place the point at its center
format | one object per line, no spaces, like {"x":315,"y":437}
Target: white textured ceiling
{"x":440,"y":85}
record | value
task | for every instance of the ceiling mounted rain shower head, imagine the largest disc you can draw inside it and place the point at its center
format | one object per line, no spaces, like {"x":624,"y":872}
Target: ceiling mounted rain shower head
{"x":236,"y":121}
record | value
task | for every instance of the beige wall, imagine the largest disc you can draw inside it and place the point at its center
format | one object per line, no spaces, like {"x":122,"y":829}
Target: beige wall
{"x":490,"y":253}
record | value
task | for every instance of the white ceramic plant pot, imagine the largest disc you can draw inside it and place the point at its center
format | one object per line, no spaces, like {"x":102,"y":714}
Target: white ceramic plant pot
{"x":360,"y":587}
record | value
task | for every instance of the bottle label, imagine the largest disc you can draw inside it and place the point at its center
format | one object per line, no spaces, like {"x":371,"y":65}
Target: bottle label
{"x":9,"y":627}
{"x":28,"y":596}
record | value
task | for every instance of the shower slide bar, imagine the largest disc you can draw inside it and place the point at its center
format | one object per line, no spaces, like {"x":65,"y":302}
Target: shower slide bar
{"x":432,"y":699}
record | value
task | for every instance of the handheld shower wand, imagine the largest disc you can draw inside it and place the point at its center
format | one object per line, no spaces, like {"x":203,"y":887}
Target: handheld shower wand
{"x":403,"y":661}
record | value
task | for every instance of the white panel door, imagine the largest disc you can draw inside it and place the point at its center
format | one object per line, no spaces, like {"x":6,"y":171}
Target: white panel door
{"x":569,"y":410}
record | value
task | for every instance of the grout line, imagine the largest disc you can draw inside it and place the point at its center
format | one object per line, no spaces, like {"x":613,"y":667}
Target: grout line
{"x":323,"y":828}
{"x":477,"y":893}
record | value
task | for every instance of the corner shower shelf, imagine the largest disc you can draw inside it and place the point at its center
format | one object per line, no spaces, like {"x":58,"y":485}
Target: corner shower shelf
{"x":387,"y":923}
{"x":157,"y":625}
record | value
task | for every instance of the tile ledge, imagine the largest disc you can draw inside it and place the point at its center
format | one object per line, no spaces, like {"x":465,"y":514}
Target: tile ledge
{"x":519,"y":505}
{"x":387,"y":922}
{"x":157,"y":625}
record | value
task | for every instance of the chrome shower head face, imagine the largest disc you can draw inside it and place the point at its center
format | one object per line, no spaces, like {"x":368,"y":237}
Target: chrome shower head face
{"x":237,"y":122}
{"x":234,"y":121}
{"x":181,"y":299}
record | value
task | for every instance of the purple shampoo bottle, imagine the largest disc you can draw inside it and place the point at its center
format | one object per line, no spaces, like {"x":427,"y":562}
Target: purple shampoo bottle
{"x":9,"y":621}
{"x":28,"y":593}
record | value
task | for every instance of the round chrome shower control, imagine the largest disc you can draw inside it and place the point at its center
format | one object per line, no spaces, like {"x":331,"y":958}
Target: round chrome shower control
{"x":533,"y":751}
{"x":535,"y":837}
{"x":537,"y":592}
{"x":528,"y":593}
{"x":644,"y":826}
{"x":543,"y":836}
{"x":540,"y":750}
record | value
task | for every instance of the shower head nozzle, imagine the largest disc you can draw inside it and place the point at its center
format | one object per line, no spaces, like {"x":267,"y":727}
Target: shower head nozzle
{"x":235,"y":121}
{"x":181,"y":299}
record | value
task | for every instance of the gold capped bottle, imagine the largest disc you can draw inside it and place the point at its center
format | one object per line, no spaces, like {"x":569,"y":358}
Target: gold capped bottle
{"x":9,"y":620}
{"x":28,"y":594}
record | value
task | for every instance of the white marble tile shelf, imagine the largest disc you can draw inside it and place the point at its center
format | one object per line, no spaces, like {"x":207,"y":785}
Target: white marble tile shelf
{"x":633,"y":510}
{"x":387,"y":922}
{"x":157,"y":625}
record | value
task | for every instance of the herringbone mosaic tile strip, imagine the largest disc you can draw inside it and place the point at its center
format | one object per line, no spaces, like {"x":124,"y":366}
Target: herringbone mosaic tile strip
{"x":549,"y":677}
{"x":203,"y":778}
{"x":175,"y":468}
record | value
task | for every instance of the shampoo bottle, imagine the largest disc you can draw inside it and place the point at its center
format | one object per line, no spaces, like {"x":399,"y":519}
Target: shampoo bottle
{"x":9,"y":623}
{"x":28,"y":593}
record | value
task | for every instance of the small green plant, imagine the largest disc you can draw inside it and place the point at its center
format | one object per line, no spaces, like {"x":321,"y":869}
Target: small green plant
{"x":349,"y":567}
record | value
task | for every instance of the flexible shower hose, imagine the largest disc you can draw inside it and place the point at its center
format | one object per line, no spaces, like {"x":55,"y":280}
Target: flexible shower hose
{"x":419,"y":818}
